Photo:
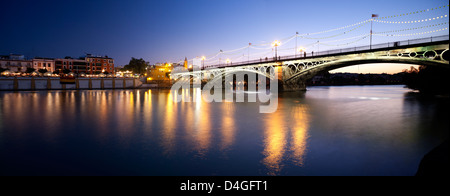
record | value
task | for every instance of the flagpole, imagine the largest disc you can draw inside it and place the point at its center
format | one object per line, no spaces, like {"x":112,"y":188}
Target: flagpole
{"x":371,"y":28}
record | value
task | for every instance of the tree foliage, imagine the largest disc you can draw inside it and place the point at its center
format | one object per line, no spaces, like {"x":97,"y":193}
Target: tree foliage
{"x":30,"y":70}
{"x":136,"y":65}
{"x":427,"y":79}
{"x":42,"y":71}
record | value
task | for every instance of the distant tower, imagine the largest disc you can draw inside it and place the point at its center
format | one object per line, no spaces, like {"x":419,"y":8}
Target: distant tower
{"x":185,"y":62}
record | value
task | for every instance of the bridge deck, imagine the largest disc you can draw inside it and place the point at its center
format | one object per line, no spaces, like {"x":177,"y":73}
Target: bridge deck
{"x":345,"y":51}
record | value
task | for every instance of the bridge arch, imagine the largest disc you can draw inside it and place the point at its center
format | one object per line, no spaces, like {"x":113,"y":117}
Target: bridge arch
{"x":310,"y":72}
{"x":264,"y":71}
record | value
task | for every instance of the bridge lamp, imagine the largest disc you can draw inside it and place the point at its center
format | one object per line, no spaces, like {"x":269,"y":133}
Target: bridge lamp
{"x":203,"y":61}
{"x":300,"y":50}
{"x":275,"y":44}
{"x":228,"y":61}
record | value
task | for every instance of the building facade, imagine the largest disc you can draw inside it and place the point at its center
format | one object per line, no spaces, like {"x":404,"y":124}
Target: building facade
{"x":73,"y":65}
{"x":15,"y":63}
{"x":99,"y":64}
{"x":44,"y":63}
{"x":88,"y":64}
{"x":160,"y":72}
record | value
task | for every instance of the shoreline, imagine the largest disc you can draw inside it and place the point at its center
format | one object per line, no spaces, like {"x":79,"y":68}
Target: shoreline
{"x":51,"y":83}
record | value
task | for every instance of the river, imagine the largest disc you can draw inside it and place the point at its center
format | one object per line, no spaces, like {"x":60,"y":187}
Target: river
{"x":325,"y":131}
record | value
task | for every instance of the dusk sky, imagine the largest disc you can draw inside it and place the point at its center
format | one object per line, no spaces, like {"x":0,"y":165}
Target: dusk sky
{"x":170,"y":30}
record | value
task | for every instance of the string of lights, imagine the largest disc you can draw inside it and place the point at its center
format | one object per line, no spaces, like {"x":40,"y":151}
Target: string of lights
{"x":239,"y":53}
{"x":336,"y":35}
{"x":359,"y":36}
{"x":284,"y":40}
{"x":343,"y":44}
{"x":416,"y":28}
{"x":411,"y":21}
{"x":411,"y":34}
{"x":336,"y":29}
{"x":416,"y":12}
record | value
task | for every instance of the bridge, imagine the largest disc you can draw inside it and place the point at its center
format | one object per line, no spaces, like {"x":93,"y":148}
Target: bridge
{"x":293,"y":71}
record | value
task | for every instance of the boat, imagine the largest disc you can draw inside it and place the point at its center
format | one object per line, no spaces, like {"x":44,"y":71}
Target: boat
{"x":67,"y":80}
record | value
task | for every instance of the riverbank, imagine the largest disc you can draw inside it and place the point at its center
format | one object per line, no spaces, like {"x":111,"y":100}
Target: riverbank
{"x":50,"y":83}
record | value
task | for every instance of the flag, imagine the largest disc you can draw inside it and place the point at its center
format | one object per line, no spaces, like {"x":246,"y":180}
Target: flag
{"x":374,"y":15}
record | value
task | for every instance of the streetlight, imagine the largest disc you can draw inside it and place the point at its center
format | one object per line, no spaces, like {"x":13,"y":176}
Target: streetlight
{"x":228,"y":61}
{"x":300,"y":50}
{"x":275,"y":44}
{"x":203,"y":62}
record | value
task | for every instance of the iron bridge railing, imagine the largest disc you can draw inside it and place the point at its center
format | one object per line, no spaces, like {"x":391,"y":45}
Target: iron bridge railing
{"x":383,"y":46}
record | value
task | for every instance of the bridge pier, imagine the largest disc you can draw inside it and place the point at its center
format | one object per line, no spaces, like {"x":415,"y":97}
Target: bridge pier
{"x":296,"y":84}
{"x":293,"y":85}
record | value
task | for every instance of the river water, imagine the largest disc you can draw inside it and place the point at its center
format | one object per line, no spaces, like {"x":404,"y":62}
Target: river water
{"x":351,"y":130}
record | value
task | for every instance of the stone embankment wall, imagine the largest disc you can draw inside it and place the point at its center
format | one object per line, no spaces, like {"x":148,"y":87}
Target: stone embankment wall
{"x":39,"y":83}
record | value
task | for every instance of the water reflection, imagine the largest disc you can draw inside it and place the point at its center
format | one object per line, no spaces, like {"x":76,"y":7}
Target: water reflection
{"x":299,"y":134}
{"x":326,"y":131}
{"x":169,"y":121}
{"x":202,"y":126}
{"x":228,"y":129}
{"x":285,"y":137}
{"x":274,"y":143}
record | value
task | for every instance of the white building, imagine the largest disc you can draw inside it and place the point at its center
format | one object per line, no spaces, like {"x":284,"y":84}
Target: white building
{"x":44,"y":63}
{"x":15,"y":63}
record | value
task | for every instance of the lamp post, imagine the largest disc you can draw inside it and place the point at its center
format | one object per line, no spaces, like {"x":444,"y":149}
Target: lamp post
{"x":203,"y":62}
{"x":275,"y":44}
{"x":248,"y":51}
{"x":296,"y":36}
{"x":300,"y":50}
{"x":220,"y":57}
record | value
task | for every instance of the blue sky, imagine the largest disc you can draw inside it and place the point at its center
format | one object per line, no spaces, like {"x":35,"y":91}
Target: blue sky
{"x":169,"y":30}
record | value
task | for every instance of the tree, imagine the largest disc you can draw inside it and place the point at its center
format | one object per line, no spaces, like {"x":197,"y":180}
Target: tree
{"x":30,"y":70}
{"x":427,"y":79}
{"x":136,"y":65}
{"x":42,"y":71}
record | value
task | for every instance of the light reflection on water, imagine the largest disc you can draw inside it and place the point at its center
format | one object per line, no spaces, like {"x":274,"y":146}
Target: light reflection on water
{"x":378,"y":130}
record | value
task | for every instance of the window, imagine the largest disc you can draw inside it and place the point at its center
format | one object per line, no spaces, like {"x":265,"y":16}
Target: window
{"x":64,"y":62}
